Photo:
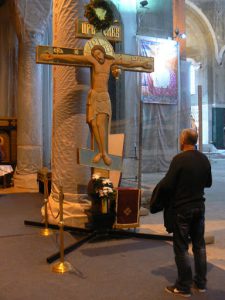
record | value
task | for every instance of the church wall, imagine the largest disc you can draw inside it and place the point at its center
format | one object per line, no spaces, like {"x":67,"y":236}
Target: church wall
{"x":155,"y":19}
{"x":212,"y":29}
{"x":215,"y":12}
{"x":160,"y":124}
{"x":29,"y":28}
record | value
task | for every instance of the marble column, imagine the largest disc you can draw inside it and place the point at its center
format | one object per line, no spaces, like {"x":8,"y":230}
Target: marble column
{"x":70,"y":87}
{"x":30,"y":19}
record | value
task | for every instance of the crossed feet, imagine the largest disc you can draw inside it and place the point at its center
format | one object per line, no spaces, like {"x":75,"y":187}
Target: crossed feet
{"x":107,"y":160}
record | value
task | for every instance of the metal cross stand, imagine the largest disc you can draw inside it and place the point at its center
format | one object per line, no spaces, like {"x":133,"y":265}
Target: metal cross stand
{"x":109,"y":233}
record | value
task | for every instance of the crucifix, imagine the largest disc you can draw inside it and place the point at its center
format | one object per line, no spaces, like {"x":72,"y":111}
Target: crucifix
{"x":98,"y":54}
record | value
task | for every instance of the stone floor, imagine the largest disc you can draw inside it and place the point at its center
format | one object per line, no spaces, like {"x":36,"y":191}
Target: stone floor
{"x":215,"y":208}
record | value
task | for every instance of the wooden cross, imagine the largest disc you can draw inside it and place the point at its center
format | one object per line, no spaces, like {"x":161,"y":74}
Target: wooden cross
{"x":98,"y":54}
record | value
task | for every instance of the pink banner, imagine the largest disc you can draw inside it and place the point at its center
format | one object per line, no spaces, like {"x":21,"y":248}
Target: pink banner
{"x":161,"y":85}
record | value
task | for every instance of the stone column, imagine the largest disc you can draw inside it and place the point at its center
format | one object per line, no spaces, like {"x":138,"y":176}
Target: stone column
{"x":30,"y":22}
{"x":70,"y":87}
{"x":29,"y":135}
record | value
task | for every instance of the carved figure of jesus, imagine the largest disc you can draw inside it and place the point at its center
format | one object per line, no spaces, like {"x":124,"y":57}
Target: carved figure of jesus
{"x":98,"y":100}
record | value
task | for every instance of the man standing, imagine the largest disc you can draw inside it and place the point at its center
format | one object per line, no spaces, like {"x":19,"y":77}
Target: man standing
{"x":189,"y":173}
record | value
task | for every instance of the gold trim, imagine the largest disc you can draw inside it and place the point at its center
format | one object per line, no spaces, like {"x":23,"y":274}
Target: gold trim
{"x":99,"y":40}
{"x":132,"y":225}
{"x":113,"y":33}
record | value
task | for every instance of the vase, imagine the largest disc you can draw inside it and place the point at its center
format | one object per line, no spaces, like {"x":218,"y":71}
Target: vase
{"x":104,"y":206}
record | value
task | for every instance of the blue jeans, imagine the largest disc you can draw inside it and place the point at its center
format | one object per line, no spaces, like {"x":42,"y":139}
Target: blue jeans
{"x":190,"y":224}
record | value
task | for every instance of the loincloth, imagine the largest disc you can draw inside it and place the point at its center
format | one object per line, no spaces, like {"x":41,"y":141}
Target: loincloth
{"x":98,"y":103}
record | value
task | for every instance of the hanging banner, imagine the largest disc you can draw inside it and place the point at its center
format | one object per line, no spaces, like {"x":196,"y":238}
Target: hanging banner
{"x":160,"y":86}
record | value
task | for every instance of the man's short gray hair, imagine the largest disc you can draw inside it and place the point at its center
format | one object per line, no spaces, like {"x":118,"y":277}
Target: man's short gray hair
{"x":190,"y":136}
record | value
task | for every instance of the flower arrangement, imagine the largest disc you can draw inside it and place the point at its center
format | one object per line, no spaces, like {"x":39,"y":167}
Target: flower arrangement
{"x":99,"y":14}
{"x":102,"y":192}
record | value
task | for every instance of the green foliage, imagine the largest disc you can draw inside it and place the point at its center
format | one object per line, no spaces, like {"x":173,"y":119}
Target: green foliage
{"x":103,"y":23}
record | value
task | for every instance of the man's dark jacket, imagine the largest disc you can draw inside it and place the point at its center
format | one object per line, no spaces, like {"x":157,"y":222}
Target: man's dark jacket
{"x":182,"y":188}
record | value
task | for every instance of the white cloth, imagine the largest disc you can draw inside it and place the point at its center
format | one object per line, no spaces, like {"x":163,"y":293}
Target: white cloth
{"x":5,"y":169}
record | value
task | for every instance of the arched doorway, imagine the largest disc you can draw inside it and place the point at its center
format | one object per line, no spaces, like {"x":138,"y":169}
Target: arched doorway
{"x":206,"y":60}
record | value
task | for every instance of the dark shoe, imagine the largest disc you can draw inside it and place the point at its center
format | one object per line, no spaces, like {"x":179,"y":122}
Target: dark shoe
{"x":200,"y":289}
{"x":174,"y":290}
